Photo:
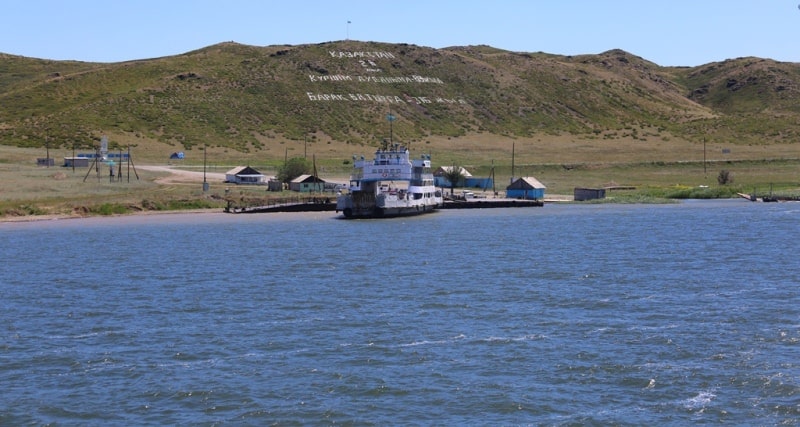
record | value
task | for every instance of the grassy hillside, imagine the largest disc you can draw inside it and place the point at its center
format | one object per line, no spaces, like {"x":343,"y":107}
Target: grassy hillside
{"x":255,"y":99}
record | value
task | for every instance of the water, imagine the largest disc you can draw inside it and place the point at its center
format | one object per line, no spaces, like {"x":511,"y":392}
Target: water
{"x":562,"y":315}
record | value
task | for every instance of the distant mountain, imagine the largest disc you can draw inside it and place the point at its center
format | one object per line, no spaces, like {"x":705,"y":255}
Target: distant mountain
{"x":247,"y":98}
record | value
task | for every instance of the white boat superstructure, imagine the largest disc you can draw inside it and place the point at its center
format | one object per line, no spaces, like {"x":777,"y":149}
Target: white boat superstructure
{"x":391,"y":184}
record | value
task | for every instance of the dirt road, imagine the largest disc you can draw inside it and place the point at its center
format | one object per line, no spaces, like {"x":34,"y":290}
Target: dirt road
{"x":177,"y":176}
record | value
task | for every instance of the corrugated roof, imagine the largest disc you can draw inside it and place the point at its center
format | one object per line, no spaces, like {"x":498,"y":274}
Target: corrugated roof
{"x":243,"y":170}
{"x":306,"y":177}
{"x":235,"y":170}
{"x":526,"y":182}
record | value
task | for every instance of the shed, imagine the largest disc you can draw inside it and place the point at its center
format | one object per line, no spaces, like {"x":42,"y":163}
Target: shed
{"x":307,"y":183}
{"x":582,"y":194}
{"x":78,"y":162}
{"x":45,"y":161}
{"x":526,"y":187}
{"x":245,"y":175}
{"x":274,"y":185}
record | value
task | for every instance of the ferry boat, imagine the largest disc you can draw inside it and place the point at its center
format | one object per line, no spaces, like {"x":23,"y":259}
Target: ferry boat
{"x":391,"y":184}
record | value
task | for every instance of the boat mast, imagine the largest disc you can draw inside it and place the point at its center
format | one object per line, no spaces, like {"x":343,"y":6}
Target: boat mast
{"x":390,"y":118}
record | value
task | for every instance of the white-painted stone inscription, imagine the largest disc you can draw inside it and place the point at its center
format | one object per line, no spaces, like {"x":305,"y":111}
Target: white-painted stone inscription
{"x":349,"y":54}
{"x":368,"y":64}
{"x":373,"y":79}
{"x":385,"y":99}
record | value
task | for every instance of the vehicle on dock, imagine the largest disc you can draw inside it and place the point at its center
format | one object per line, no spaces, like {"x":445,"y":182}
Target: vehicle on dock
{"x":390,"y":184}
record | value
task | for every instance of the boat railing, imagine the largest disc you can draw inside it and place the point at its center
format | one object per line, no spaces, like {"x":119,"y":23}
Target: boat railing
{"x":387,"y":175}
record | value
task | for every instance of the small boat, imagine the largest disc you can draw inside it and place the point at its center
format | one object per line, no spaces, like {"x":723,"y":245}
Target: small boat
{"x":391,"y":184}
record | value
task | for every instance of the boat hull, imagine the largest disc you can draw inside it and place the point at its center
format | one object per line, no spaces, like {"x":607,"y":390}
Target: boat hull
{"x":346,"y":206}
{"x":377,"y":212}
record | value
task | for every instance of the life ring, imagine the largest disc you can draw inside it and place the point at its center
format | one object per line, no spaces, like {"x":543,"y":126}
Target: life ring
{"x":385,"y":175}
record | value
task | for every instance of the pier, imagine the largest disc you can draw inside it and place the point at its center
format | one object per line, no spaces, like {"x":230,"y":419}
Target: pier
{"x":490,"y":203}
{"x":324,"y":204}
{"x":294,"y":204}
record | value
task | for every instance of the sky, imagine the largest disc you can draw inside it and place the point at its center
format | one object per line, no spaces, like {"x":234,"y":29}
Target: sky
{"x":669,"y":33}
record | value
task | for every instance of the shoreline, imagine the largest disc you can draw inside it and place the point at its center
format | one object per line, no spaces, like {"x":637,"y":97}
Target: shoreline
{"x":57,"y":217}
{"x":188,"y":212}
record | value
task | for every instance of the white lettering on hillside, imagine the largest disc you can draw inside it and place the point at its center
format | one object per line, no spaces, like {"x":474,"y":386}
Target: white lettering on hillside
{"x":383,"y":99}
{"x":348,"y":54}
{"x":374,"y":79}
{"x":368,"y":64}
{"x":325,"y":96}
{"x":331,"y":78}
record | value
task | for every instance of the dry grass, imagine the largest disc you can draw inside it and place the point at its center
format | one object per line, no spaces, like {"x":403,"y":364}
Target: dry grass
{"x":561,"y":162}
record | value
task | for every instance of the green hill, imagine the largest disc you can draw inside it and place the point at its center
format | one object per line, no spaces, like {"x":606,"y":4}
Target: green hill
{"x":256,"y":99}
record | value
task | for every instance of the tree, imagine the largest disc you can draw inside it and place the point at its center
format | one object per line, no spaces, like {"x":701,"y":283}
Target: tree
{"x":455,"y":176}
{"x":724,"y":177}
{"x":293,"y":168}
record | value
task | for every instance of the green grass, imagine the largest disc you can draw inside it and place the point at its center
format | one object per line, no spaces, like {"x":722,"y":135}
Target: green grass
{"x":106,"y":209}
{"x":685,"y":192}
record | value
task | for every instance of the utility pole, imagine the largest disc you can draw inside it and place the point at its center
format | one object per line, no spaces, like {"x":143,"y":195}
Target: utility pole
{"x":705,"y":171}
{"x":205,"y":183}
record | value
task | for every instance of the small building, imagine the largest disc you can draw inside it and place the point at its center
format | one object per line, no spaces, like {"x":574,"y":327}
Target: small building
{"x":307,"y":184}
{"x":78,"y":162}
{"x":274,"y":185}
{"x":440,"y":178}
{"x":582,"y":194}
{"x":245,"y":175}
{"x":45,"y":161}
{"x":527,"y":187}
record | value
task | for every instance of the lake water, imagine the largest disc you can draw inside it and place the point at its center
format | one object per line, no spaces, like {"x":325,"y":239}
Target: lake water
{"x":562,"y":315}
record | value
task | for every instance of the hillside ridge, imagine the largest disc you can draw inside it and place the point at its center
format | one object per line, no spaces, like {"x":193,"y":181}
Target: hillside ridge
{"x":253,"y":99}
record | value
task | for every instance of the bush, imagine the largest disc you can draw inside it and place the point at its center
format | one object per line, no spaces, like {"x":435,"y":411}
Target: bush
{"x":724,"y":177}
{"x":293,"y":168}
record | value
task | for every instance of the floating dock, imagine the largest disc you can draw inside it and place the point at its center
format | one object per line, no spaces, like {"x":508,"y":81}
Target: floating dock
{"x":491,"y":203}
{"x":310,"y":204}
{"x":770,"y":198}
{"x":325,"y":204}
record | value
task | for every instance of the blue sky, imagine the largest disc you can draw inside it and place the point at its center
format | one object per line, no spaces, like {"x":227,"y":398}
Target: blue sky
{"x":671,"y":33}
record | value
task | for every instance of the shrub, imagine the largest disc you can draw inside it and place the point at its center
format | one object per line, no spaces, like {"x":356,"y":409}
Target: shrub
{"x":724,"y":177}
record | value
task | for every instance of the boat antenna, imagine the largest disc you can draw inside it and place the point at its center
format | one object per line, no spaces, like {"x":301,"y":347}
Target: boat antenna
{"x":390,"y":117}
